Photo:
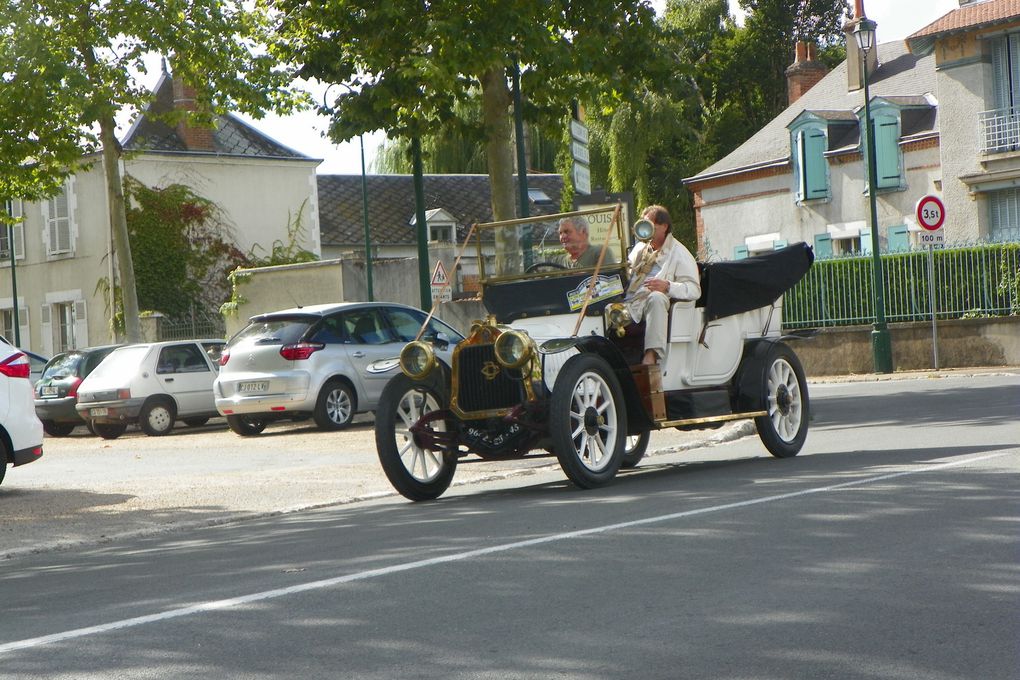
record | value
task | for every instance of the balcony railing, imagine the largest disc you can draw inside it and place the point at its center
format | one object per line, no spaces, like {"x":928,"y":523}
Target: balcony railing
{"x":1000,"y":130}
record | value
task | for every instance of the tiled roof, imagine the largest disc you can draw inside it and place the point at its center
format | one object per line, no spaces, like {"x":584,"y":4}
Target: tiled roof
{"x":391,"y":205}
{"x":981,"y":13}
{"x":900,"y":74}
{"x":231,"y":136}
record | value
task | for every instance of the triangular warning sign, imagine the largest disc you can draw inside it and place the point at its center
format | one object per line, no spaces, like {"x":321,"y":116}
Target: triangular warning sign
{"x":439,"y":277}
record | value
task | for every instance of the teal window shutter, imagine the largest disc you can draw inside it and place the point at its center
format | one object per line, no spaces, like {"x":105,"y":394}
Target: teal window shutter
{"x":887,"y":151}
{"x":779,"y":244}
{"x":816,"y":184}
{"x":823,"y":245}
{"x":899,"y":238}
{"x":740,"y":252}
{"x":865,"y":241}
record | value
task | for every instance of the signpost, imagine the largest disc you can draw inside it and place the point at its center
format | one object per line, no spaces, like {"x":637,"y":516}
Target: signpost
{"x":442,"y":291}
{"x":579,"y":150}
{"x":931,"y":215}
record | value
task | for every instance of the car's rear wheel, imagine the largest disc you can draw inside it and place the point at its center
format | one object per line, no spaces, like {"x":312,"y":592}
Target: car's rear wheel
{"x":196,"y":422}
{"x":247,"y":426}
{"x":588,"y":421}
{"x":785,"y":397}
{"x":634,"y":449}
{"x":417,"y":473}
{"x":109,"y":430}
{"x":334,"y":409}
{"x":157,"y":417}
{"x":55,"y":429}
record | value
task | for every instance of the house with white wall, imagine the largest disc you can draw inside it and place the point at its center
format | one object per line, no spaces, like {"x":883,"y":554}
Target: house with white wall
{"x":945,"y":104}
{"x":62,"y":247}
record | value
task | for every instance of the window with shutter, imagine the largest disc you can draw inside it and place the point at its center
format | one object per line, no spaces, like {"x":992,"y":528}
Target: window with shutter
{"x":740,"y":252}
{"x":15,"y":211}
{"x":1005,"y":132}
{"x":1004,"y":215}
{"x":814,"y":170}
{"x":887,"y":151}
{"x":823,"y":245}
{"x":899,"y":239}
{"x":58,"y":223}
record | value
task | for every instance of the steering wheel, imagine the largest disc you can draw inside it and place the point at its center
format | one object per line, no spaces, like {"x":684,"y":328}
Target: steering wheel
{"x":538,"y":265}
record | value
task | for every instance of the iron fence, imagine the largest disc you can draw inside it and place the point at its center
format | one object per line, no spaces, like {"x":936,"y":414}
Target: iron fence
{"x":197,"y":324}
{"x":1000,"y":130}
{"x":958,"y":282}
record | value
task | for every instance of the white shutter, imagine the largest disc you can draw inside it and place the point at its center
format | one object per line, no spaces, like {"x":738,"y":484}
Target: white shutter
{"x":45,"y":206}
{"x":26,"y":341}
{"x":72,"y":204}
{"x":81,"y":325}
{"x":47,"y":330}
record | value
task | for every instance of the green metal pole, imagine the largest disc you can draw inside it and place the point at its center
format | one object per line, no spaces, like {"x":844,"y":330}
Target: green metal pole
{"x":364,"y":213}
{"x":522,"y":165}
{"x":881,"y":343}
{"x":424,"y":283}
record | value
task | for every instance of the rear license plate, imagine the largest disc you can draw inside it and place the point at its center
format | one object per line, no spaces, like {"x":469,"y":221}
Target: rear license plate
{"x":98,"y":412}
{"x":249,"y":387}
{"x":49,"y":391}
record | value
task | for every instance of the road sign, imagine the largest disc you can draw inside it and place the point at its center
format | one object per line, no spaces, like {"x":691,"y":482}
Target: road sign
{"x":931,"y":214}
{"x":579,"y":150}
{"x":442,"y":291}
{"x":582,"y":178}
{"x":579,"y":131}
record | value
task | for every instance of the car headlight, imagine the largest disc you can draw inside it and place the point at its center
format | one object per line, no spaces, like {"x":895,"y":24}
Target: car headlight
{"x":514,"y":348}
{"x":417,"y":359}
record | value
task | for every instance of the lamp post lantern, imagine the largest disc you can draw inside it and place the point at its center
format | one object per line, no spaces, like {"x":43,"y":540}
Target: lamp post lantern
{"x":881,"y":344}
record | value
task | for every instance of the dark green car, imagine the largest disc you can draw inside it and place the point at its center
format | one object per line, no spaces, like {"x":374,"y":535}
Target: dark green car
{"x":56,"y":392}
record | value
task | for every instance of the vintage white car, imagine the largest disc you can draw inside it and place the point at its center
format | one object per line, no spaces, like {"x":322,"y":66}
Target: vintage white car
{"x":555,"y":368}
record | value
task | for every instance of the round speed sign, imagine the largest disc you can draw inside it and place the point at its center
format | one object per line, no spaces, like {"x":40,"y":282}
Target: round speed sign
{"x":931,"y":213}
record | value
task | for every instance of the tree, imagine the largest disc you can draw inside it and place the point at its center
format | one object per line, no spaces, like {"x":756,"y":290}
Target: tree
{"x":67,"y":67}
{"x":404,"y":66}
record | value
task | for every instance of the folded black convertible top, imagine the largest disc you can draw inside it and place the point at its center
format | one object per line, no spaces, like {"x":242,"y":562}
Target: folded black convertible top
{"x":742,"y":285}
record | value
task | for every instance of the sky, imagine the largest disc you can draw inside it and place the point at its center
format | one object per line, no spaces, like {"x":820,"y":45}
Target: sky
{"x":896,"y":20}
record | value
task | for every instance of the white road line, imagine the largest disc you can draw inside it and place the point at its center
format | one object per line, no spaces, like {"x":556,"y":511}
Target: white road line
{"x":457,"y":557}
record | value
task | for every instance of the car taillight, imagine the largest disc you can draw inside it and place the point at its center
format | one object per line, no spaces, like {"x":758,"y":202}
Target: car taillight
{"x":224,"y":357}
{"x":72,"y":391}
{"x":300,"y":350}
{"x":16,"y":366}
{"x":124,"y":393}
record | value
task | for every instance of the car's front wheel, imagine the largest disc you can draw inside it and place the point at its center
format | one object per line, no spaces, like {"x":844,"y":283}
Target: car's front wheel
{"x":416,"y":472}
{"x":157,"y":417}
{"x":334,"y":409}
{"x":785,"y":396}
{"x":246,"y":426}
{"x":588,"y":421}
{"x":109,"y":430}
{"x":55,"y":429}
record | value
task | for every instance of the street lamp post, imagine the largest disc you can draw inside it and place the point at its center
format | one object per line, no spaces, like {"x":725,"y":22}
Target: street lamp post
{"x":881,"y":344}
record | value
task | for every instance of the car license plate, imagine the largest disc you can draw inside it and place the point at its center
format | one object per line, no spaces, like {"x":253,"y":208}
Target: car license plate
{"x":49,"y":391}
{"x":98,"y":412}
{"x":248,"y":387}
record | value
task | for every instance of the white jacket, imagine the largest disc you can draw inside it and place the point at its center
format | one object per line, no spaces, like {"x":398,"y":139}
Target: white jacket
{"x":676,"y":265}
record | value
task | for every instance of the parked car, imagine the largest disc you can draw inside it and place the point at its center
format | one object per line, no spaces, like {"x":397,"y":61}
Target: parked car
{"x":21,"y":433}
{"x":152,"y":384}
{"x":56,"y":391}
{"x":557,"y":365}
{"x":321,"y":361}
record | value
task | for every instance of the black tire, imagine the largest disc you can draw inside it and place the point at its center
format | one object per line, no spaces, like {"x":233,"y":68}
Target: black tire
{"x":334,"y":410}
{"x":3,"y":460}
{"x":634,"y":450}
{"x":109,"y":430}
{"x":785,"y":398}
{"x":54,"y":429}
{"x":588,"y":421}
{"x":247,"y":426}
{"x":157,"y":417}
{"x":88,"y":426}
{"x":416,"y":473}
{"x":196,"y":422}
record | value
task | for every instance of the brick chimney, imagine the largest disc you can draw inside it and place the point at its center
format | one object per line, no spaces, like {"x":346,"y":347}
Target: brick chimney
{"x":804,"y":72}
{"x":854,"y":72}
{"x":195,"y":138}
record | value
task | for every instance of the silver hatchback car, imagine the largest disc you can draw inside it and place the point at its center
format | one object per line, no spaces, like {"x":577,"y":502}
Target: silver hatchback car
{"x":321,"y":361}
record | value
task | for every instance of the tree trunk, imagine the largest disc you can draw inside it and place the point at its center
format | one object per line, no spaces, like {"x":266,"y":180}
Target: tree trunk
{"x":118,"y":223}
{"x":496,"y":117}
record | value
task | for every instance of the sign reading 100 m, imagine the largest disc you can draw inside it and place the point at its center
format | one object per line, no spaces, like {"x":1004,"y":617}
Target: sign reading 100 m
{"x":931,"y":214}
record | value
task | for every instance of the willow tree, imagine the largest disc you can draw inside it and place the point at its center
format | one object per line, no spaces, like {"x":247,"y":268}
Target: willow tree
{"x":403,"y":66}
{"x":67,"y":67}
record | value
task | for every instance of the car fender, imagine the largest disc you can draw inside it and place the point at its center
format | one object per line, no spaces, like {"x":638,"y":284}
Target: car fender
{"x":746,"y":383}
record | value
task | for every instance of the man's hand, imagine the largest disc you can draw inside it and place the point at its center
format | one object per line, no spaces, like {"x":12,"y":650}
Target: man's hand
{"x":661,"y":285}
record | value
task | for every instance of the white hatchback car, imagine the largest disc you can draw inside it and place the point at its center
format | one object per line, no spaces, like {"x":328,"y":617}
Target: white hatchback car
{"x":323,"y":361}
{"x":153,"y":384}
{"x":21,"y":432}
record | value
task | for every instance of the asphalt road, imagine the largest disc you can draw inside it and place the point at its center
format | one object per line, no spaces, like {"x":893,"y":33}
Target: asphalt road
{"x":887,"y":549}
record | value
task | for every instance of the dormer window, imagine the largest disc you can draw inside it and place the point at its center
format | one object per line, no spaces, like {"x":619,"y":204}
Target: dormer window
{"x":811,"y":134}
{"x":441,"y":226}
{"x":886,"y":114}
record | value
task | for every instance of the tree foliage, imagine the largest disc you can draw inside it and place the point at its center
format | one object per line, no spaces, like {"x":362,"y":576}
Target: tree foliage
{"x":68,"y":66}
{"x":404,"y":66}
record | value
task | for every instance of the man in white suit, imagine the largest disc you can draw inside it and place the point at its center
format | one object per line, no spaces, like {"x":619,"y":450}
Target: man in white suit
{"x":661,"y":270}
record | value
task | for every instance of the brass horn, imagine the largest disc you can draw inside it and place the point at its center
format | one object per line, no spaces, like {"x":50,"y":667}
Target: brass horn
{"x":644,"y":230}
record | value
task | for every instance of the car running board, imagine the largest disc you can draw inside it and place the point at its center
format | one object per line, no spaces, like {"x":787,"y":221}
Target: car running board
{"x":710,"y":419}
